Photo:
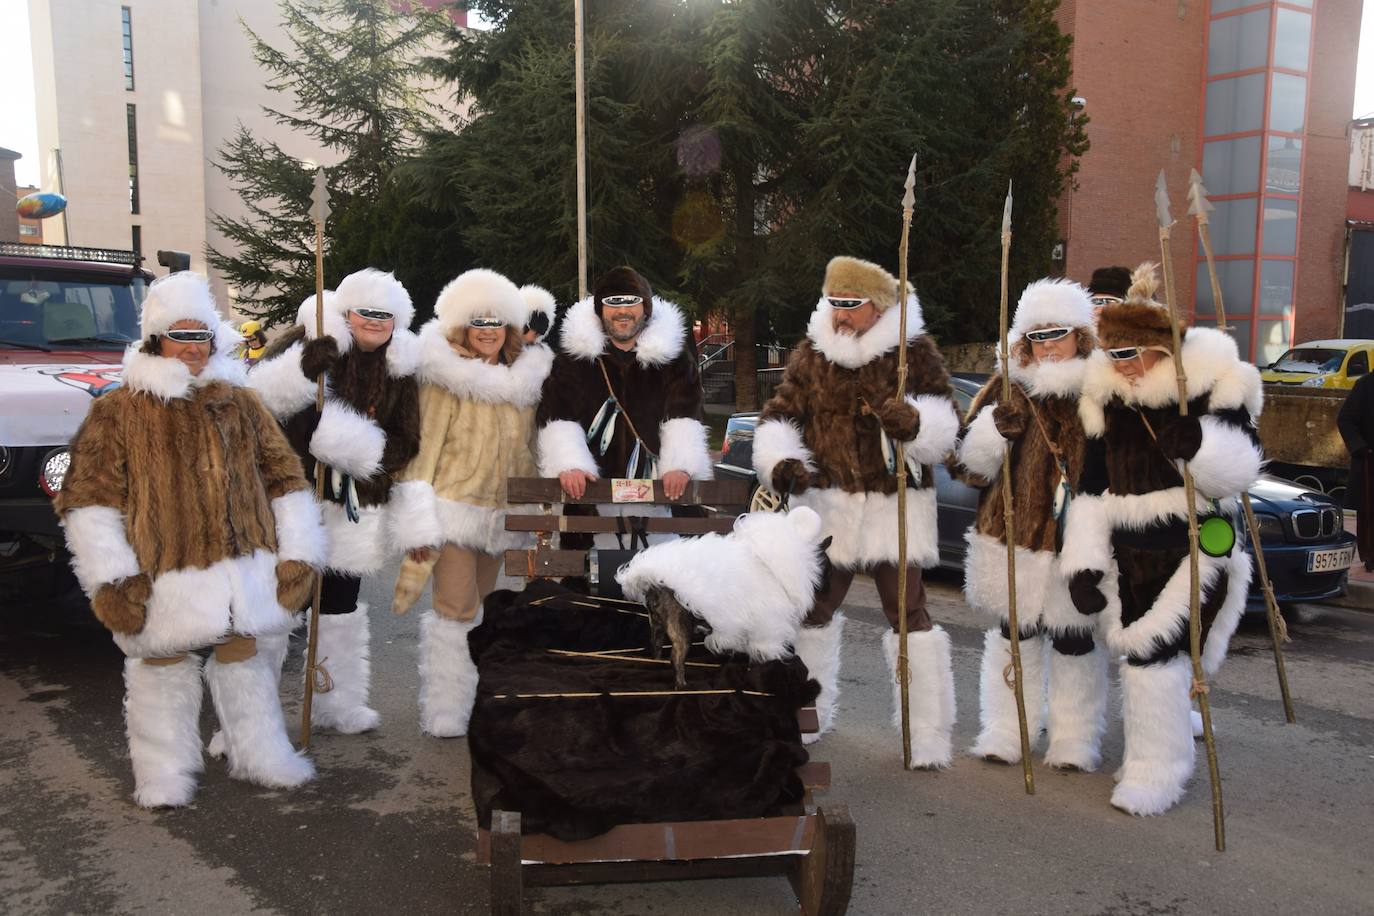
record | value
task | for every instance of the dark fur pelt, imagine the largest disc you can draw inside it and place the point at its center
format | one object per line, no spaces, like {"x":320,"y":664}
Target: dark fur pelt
{"x":575,"y":767}
{"x":1146,"y":560}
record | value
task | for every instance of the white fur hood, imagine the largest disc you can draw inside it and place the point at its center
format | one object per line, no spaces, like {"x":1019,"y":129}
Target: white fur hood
{"x":850,"y":351}
{"x":661,"y":341}
{"x":519,"y":383}
{"x":1047,"y":380}
{"x":168,"y":378}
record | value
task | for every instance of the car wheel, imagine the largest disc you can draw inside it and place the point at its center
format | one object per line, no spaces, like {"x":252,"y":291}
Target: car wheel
{"x":765,"y":500}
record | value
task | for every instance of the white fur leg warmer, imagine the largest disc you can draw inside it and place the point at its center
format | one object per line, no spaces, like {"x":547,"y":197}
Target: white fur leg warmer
{"x":1078,"y":709}
{"x":999,"y":735}
{"x":1155,"y":713}
{"x":162,"y":717}
{"x":344,"y":651}
{"x":819,"y":650}
{"x":249,"y":708}
{"x":931,"y":695}
{"x":448,"y":678}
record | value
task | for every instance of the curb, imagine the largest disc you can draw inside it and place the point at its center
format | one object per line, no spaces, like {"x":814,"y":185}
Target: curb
{"x":1358,"y":595}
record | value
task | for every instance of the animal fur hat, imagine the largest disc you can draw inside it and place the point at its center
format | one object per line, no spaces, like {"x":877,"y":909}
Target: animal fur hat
{"x":1051,"y":303}
{"x":1110,"y":281}
{"x":623,"y":281}
{"x":479,"y":293}
{"x":369,"y":288}
{"x":860,"y":278}
{"x":1139,"y":321}
{"x":335,"y":324}
{"x":541,"y":306}
{"x":182,"y":296}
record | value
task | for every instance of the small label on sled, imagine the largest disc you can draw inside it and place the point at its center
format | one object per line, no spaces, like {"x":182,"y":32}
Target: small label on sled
{"x":632,"y":490}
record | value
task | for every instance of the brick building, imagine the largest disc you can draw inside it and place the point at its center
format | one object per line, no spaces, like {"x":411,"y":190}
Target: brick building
{"x":1254,"y":94}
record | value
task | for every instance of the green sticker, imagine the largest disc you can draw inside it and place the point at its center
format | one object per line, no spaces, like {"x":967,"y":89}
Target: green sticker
{"x":1216,"y":536}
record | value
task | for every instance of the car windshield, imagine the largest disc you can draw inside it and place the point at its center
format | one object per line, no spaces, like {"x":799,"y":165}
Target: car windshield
{"x":1309,"y":359}
{"x":90,"y":312}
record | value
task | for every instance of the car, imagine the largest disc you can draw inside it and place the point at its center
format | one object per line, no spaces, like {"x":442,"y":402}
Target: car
{"x":1321,"y":364}
{"x":1307,"y":550}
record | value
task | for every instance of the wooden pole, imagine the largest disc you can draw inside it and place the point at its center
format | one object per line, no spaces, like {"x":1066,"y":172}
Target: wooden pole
{"x":1009,"y":518}
{"x":1194,"y":591}
{"x":579,"y":47}
{"x":903,"y":661}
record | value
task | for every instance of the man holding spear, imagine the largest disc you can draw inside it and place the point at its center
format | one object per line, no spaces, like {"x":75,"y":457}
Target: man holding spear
{"x":838,"y":439}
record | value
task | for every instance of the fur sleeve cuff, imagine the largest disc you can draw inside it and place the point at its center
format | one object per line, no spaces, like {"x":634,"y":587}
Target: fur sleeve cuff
{"x":1087,"y":536}
{"x":775,"y":441}
{"x":1228,"y":462}
{"x":413,"y":516}
{"x":300,"y":531}
{"x":939,"y":429}
{"x":682,"y":447}
{"x":983,"y":446}
{"x":349,"y":441}
{"x":563,"y":447}
{"x":280,"y":384}
{"x":100,"y":549}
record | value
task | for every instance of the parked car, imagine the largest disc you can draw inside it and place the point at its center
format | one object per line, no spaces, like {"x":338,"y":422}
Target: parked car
{"x":1321,"y":364}
{"x":1302,"y":532}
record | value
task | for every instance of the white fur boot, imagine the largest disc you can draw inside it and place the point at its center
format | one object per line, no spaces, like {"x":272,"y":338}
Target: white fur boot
{"x":1000,"y":734}
{"x":1078,"y":709}
{"x":249,"y":708}
{"x":448,"y":678}
{"x":274,"y":648}
{"x":344,"y":652}
{"x":162,"y":718}
{"x":1159,"y":736}
{"x":931,"y":697}
{"x":819,"y":650}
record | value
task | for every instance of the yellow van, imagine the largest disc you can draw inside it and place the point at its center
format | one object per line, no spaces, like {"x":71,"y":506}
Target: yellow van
{"x":1322,"y":364}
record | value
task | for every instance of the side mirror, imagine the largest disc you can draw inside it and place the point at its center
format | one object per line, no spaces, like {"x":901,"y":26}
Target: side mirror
{"x":174,"y":261}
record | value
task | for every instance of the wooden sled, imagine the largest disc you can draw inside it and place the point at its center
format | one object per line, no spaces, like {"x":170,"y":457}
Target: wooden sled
{"x":812,"y":846}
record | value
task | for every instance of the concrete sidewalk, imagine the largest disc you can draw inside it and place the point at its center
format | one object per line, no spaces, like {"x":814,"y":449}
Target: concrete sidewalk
{"x":1359,"y":591}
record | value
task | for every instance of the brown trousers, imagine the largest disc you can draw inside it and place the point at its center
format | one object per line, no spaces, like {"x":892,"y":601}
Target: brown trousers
{"x":463,"y":577}
{"x":835,"y":584}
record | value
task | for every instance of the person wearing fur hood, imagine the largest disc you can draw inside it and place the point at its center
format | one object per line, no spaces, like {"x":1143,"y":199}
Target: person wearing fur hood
{"x":368,"y":431}
{"x":834,"y":437}
{"x":191,"y":527}
{"x":1050,"y":339}
{"x":480,"y":383}
{"x":1126,"y":536}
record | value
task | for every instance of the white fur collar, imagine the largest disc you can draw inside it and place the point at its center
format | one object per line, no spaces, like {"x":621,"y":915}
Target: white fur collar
{"x":1046,"y":380}
{"x":519,"y":383}
{"x":850,"y":351}
{"x":1211,"y":362}
{"x":660,"y":342}
{"x":167,"y":378}
{"x":402,"y":353}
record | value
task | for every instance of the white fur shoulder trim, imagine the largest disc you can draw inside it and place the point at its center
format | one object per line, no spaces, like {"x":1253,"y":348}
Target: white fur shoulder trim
{"x":519,"y":383}
{"x":852,"y":351}
{"x":402,"y":353}
{"x":682,"y":447}
{"x":1043,"y":380}
{"x":282,"y":387}
{"x":661,"y":341}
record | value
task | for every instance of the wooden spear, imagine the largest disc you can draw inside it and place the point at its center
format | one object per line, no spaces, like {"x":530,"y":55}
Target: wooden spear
{"x":580,"y":79}
{"x":1199,"y":207}
{"x":1166,"y":221}
{"x":1009,"y":518}
{"x":319,"y":212}
{"x":903,"y":662}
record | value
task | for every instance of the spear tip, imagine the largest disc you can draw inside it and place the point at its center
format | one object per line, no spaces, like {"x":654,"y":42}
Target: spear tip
{"x":1162,"y":202}
{"x":1006,"y":211}
{"x":909,"y":198}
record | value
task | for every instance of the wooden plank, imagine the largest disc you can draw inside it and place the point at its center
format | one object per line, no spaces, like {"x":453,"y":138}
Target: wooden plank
{"x":586,"y":873}
{"x":815,"y":774}
{"x":824,"y":879}
{"x":698,"y":493}
{"x":598,"y":524}
{"x":546,"y":563}
{"x":507,"y":886}
{"x":808,"y":720}
{"x":681,"y":841}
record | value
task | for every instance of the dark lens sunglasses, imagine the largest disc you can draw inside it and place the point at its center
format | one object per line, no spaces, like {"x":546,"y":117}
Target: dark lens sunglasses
{"x":374,"y":314}
{"x":189,"y":335}
{"x":846,"y":304}
{"x":1104,"y":300}
{"x":1121,"y":354}
{"x":1045,"y":335}
{"x":622,"y":302}
{"x":486,"y":323}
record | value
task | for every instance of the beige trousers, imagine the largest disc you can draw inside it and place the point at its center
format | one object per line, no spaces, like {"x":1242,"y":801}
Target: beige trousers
{"x":233,"y":649}
{"x":462,"y":578}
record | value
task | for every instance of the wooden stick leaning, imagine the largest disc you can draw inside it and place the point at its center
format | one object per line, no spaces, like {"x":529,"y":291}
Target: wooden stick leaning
{"x":903,"y":661}
{"x":1199,"y":207}
{"x":579,"y":50}
{"x":319,"y":212}
{"x":1009,"y":519}
{"x":1190,"y":495}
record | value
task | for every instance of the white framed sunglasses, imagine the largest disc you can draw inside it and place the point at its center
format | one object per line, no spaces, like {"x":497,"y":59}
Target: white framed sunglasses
{"x":622,"y":302}
{"x":1104,"y":300}
{"x":374,"y":314}
{"x":846,"y":303}
{"x":484,"y":322}
{"x":189,"y":335}
{"x":1045,"y":335}
{"x":1121,"y":354}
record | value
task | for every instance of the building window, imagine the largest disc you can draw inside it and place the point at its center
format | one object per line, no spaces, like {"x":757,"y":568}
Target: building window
{"x":138,"y":241}
{"x":127,"y":25}
{"x":1231,"y":166}
{"x":133,"y":157}
{"x":1238,"y":43}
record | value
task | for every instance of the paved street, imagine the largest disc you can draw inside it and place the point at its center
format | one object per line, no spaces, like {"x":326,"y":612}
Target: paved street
{"x":389,"y":828}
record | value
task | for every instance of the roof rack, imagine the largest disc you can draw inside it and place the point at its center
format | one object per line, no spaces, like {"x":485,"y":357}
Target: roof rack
{"x":70,"y":253}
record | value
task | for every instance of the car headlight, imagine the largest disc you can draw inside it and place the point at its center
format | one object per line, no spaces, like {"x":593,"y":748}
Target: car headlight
{"x":54,"y":471}
{"x":1270,"y":529}
{"x":1317,"y":382}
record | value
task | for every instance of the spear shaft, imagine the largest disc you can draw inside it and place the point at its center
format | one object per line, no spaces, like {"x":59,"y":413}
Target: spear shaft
{"x":903,"y":660}
{"x":319,"y":212}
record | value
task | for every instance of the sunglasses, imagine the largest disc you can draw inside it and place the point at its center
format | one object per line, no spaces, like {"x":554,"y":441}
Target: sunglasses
{"x":622,"y":302}
{"x":1104,"y":300}
{"x":1045,"y":335}
{"x":846,"y":304}
{"x":189,"y":335}
{"x":486,"y":323}
{"x":1121,"y":354}
{"x":374,"y":314}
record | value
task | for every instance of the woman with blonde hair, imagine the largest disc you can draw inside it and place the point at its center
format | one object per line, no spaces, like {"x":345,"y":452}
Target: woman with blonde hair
{"x":480,"y":384}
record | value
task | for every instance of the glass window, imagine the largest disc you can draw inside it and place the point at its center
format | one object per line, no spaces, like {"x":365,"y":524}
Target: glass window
{"x":1280,"y":226}
{"x":1287,"y":103}
{"x":1276,"y":287}
{"x":1273,"y":341}
{"x":131,"y":113}
{"x":1233,"y":226}
{"x":1240,"y":332}
{"x":1283,"y":171}
{"x":1231,"y":166}
{"x":1236,"y":105}
{"x":1235,"y":278}
{"x":1225,"y":6}
{"x":1357,"y":365}
{"x":1292,"y":37}
{"x":127,"y":26}
{"x":1238,"y":43}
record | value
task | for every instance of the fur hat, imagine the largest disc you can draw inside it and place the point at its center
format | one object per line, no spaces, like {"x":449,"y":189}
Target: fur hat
{"x":479,"y":293}
{"x":623,"y":281}
{"x":369,"y":288}
{"x":1051,"y":303}
{"x":540,"y":303}
{"x":335,"y":324}
{"x":1110,"y":281}
{"x":861,"y":278}
{"x":181,"y":296}
{"x":1139,"y":321}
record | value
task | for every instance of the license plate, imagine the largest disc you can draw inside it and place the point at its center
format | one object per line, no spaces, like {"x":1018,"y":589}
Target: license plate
{"x":1330,"y":560}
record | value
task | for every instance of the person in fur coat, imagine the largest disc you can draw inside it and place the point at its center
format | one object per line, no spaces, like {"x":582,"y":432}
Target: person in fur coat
{"x":624,"y":396}
{"x":834,"y":436}
{"x":191,"y":527}
{"x":1050,"y":338}
{"x":369,"y":430}
{"x":1126,"y":537}
{"x":479,"y":386}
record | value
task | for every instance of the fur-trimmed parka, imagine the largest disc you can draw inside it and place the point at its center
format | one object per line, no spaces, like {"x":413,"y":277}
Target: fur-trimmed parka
{"x":818,"y":417}
{"x":189,"y":481}
{"x":1128,"y":524}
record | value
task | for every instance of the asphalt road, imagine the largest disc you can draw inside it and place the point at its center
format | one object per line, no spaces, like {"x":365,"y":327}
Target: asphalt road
{"x":388,"y":827}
